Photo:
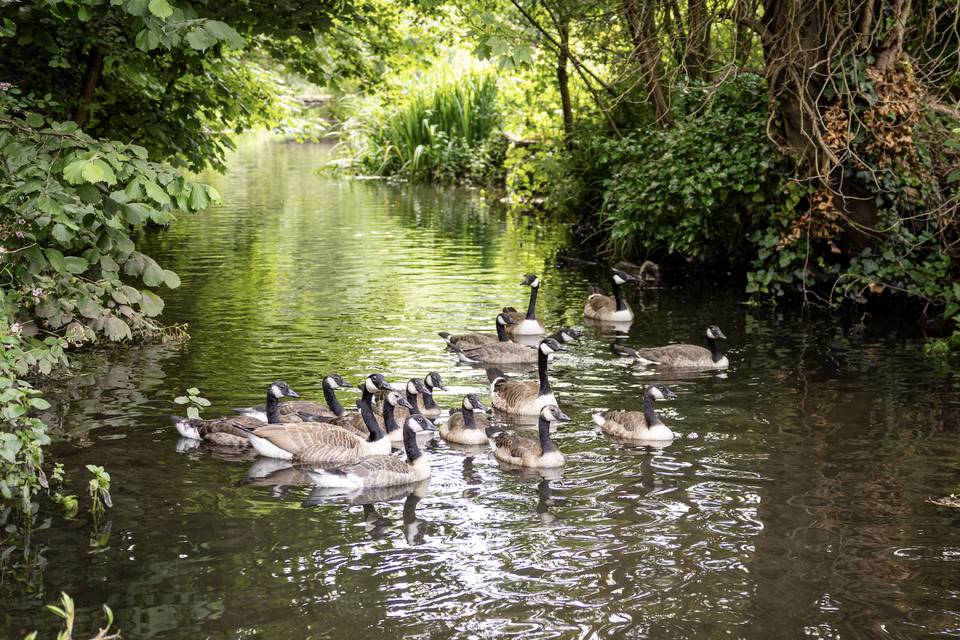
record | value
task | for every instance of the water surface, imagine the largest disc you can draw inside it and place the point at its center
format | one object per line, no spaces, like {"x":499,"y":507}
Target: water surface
{"x":793,"y":501}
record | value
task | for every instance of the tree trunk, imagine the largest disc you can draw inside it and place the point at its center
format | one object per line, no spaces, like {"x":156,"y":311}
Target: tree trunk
{"x":801,"y":40}
{"x":646,"y":49}
{"x":698,"y":39}
{"x":563,"y":80}
{"x":744,"y":36}
{"x":90,"y":79}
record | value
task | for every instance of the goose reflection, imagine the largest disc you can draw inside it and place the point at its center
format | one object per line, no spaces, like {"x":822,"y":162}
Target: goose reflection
{"x":378,"y":525}
{"x":545,"y":501}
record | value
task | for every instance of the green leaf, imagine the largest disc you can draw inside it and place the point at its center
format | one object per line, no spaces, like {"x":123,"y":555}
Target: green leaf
{"x":39,"y":403}
{"x":76,"y":264}
{"x":151,"y":305}
{"x":181,"y":400}
{"x":193,"y":391}
{"x":62,"y":234}
{"x":72,"y":173}
{"x":135,"y":213}
{"x":160,"y":8}
{"x":96,"y":170}
{"x":153,"y":274}
{"x":193,"y":412}
{"x":156,"y":192}
{"x":200,"y":39}
{"x":198,"y":197}
{"x":116,"y":329}
{"x":171,"y":279}
{"x":147,"y":40}
{"x":55,"y":258}
{"x":35,"y":120}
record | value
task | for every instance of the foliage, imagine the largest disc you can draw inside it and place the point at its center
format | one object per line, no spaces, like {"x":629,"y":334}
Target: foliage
{"x":99,"y":489}
{"x":445,"y":129}
{"x":68,"y":613}
{"x":906,"y":248}
{"x":196,"y":402}
{"x":695,"y":190}
{"x":166,"y":75}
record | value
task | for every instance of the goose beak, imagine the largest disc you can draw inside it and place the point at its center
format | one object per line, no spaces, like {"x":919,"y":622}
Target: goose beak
{"x":508,"y":320}
{"x":671,"y":395}
{"x":562,"y":417}
{"x":440,"y":386}
{"x":719,"y":334}
{"x":292,"y":394}
{"x":480,"y":406}
{"x":403,"y":402}
{"x":384,"y":386}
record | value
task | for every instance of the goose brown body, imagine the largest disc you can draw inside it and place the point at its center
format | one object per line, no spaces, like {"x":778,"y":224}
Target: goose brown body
{"x":528,"y":452}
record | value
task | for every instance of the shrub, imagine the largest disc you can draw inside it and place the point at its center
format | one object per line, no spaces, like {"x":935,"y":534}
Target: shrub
{"x":445,"y":130}
{"x":698,"y":189}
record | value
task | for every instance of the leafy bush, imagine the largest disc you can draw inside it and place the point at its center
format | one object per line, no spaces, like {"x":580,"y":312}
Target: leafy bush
{"x":444,"y":130}
{"x":71,"y":271}
{"x":810,"y":244}
{"x":698,"y":189}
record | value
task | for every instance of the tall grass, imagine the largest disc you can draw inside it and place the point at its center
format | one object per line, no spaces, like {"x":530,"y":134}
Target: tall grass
{"x":445,"y":129}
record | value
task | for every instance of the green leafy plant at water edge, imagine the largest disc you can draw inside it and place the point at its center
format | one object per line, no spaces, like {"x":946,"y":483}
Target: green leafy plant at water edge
{"x":70,"y":273}
{"x":99,"y":488}
{"x":67,"y":611}
{"x":444,"y":130}
{"x":696,"y":190}
{"x":194,"y":400}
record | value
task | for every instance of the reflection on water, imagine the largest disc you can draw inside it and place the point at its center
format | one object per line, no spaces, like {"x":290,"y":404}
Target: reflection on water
{"x":790,"y":503}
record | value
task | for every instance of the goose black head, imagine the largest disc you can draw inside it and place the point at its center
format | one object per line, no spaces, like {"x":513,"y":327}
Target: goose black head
{"x":472,"y":403}
{"x":530,"y":280}
{"x":375,"y":382}
{"x":622,"y":277}
{"x":714,"y":333}
{"x":433,"y":381}
{"x":568,"y":334}
{"x":417,"y":422}
{"x":281,"y":389}
{"x":660,"y":392}
{"x":415,"y":386}
{"x":504,"y":319}
{"x":397,"y":400}
{"x":549,"y":345}
{"x":552,"y":413}
{"x":334,"y":381}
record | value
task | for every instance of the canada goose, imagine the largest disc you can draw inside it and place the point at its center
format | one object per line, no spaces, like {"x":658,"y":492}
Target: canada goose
{"x":465,"y":427}
{"x":322,"y":442}
{"x":639,"y":425}
{"x":414,"y":388}
{"x":471,"y":340}
{"x":497,"y":353}
{"x":683,"y":356}
{"x":426,"y":404}
{"x":290,"y":411}
{"x":528,"y":452}
{"x":567,"y":335}
{"x":525,"y":397}
{"x":526,"y":325}
{"x":382,"y":471}
{"x":224,"y":431}
{"x":610,"y":308}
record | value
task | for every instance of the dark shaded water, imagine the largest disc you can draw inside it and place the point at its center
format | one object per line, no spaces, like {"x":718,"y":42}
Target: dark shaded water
{"x":793,"y":501}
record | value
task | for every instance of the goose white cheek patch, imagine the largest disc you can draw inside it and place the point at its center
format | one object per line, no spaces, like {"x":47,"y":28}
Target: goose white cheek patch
{"x":275,"y":391}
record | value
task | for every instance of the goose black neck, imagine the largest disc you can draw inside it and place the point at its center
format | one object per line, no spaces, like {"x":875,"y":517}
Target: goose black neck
{"x":715,"y":353}
{"x":366,"y":412}
{"x":618,"y":296}
{"x":428,"y":401}
{"x":410,"y":445}
{"x":649,"y":413}
{"x":412,"y":399}
{"x":532,"y":307}
{"x":502,"y":332}
{"x":546,"y":443}
{"x":389,"y":419}
{"x":273,"y":405}
{"x":542,"y":373}
{"x":331,"y":399}
{"x":469,"y":420}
